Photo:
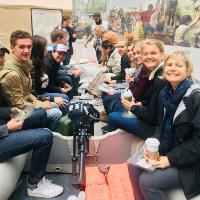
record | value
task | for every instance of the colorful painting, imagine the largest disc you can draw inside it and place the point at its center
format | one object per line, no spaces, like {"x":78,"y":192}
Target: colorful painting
{"x":175,"y":22}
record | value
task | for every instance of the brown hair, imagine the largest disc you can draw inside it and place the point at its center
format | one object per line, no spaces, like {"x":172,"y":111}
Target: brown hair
{"x":57,"y":33}
{"x":18,"y":34}
{"x":65,"y":18}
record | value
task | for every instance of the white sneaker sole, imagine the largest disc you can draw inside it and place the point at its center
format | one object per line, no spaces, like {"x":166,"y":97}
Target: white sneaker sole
{"x":34,"y":194}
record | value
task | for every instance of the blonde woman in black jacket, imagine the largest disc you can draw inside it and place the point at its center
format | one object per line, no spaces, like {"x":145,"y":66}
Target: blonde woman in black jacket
{"x":179,"y":114}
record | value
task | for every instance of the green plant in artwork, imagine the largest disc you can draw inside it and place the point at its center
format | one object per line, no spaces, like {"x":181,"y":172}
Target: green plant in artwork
{"x":96,"y":5}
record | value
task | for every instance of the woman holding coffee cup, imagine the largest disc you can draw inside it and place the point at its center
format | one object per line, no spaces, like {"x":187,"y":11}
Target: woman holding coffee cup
{"x":178,"y":165}
{"x":142,"y":123}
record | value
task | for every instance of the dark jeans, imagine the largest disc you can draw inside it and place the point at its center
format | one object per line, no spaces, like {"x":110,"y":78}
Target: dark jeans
{"x":71,"y":80}
{"x":152,"y":185}
{"x":67,"y":59}
{"x":131,"y":124}
{"x":19,"y":142}
{"x":38,"y":119}
{"x":112,"y":103}
{"x":98,"y":55}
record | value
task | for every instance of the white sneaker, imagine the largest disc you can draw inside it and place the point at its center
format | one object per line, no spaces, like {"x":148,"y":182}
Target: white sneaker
{"x":86,"y":96}
{"x":45,"y":189}
{"x":72,"y":197}
{"x":81,"y":196}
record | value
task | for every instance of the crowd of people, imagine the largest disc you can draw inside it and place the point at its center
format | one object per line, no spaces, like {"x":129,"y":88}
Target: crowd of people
{"x":163,"y":102}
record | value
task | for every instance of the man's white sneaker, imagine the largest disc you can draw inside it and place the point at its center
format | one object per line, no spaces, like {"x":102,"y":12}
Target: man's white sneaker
{"x":81,"y":196}
{"x":45,"y":189}
{"x":86,"y":97}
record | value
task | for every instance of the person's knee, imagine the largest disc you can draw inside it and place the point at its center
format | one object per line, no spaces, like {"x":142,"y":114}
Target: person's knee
{"x":57,"y":113}
{"x":45,"y":135}
{"x":54,"y":113}
{"x":114,"y":117}
{"x":145,"y":181}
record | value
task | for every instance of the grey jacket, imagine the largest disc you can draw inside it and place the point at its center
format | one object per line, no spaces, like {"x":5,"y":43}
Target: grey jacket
{"x":4,"y":117}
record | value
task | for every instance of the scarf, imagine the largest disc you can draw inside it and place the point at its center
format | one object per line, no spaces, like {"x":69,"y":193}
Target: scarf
{"x":170,"y":100}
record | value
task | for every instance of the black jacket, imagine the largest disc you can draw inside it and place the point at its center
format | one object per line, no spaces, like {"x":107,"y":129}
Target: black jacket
{"x":51,"y":68}
{"x":71,"y":39}
{"x":125,"y":63}
{"x":149,"y":106}
{"x":4,"y":116}
{"x":185,"y":155}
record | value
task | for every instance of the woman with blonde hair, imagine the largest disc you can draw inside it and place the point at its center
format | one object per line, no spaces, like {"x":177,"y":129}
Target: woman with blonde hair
{"x":178,"y":165}
{"x":142,"y":123}
{"x":136,"y":80}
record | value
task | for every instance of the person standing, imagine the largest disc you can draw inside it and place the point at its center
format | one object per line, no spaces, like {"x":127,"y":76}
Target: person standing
{"x":65,"y":26}
{"x":98,"y":21}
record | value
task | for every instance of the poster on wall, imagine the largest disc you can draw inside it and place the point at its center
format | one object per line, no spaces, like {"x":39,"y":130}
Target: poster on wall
{"x":44,"y":21}
{"x":175,"y":22}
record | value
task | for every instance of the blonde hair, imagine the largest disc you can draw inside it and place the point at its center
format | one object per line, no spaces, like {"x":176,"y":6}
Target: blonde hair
{"x":155,"y":42}
{"x":123,"y":39}
{"x":183,"y":57}
{"x":139,"y":44}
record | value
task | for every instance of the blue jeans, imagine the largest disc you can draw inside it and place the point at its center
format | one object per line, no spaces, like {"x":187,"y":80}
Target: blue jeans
{"x":38,"y":119}
{"x":98,"y":55}
{"x":71,"y":80}
{"x":19,"y":142}
{"x":112,"y":103}
{"x":131,"y":124}
{"x":53,"y":117}
{"x":64,"y":96}
{"x":152,"y":185}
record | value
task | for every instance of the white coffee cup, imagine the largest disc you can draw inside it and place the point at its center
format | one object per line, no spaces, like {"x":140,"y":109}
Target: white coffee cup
{"x":152,"y":146}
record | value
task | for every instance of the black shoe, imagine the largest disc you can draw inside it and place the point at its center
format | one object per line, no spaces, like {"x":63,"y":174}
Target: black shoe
{"x":105,"y":129}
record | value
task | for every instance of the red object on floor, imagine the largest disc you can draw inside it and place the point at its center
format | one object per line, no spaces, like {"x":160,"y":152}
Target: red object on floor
{"x":115,"y":186}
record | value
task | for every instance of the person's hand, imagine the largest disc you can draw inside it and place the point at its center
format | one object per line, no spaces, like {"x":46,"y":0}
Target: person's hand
{"x":15,"y":124}
{"x":127,"y":104}
{"x":66,"y":88}
{"x":74,"y":35}
{"x":129,"y":79}
{"x":60,"y":101}
{"x":14,"y":111}
{"x":86,"y":45}
{"x":162,"y":163}
{"x":47,"y":104}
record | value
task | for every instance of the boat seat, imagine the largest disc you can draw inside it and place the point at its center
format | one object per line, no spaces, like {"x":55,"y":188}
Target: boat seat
{"x":118,"y":146}
{"x":10,"y":171}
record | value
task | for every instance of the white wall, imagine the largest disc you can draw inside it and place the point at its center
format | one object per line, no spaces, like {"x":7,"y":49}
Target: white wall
{"x":194,"y":54}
